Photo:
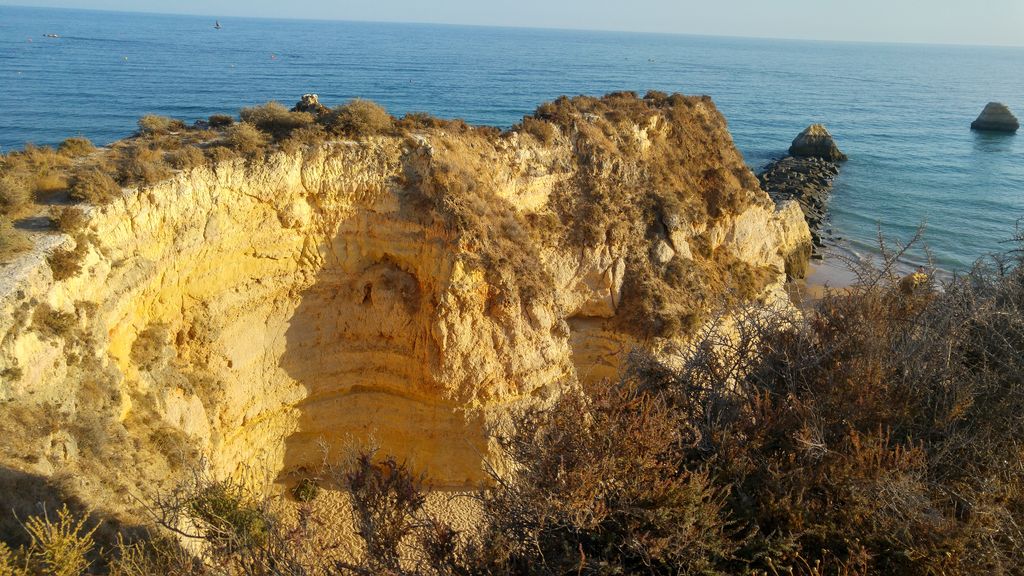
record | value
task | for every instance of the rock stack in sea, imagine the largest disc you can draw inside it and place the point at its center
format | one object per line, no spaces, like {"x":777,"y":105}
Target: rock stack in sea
{"x":816,"y":142}
{"x":996,"y":117}
{"x":806,"y":175}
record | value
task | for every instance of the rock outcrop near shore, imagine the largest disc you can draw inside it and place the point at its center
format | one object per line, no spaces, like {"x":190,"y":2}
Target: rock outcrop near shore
{"x":806,"y":176}
{"x":401,"y":290}
{"x":809,"y":182}
{"x":996,"y":117}
{"x":816,"y":142}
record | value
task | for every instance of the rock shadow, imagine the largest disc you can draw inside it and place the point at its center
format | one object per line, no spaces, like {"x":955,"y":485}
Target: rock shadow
{"x":360,"y":342}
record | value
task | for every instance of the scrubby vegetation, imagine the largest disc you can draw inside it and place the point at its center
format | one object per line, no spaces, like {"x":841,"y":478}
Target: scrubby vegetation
{"x":276,"y":120}
{"x":153,"y":124}
{"x":93,"y":186}
{"x":12,"y":240}
{"x":245,"y":139}
{"x":358,"y":118}
{"x":881,"y":433}
{"x":76,"y":146}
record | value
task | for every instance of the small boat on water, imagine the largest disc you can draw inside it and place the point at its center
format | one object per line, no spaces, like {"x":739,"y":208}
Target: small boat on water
{"x":217,"y":25}
{"x":51,"y":35}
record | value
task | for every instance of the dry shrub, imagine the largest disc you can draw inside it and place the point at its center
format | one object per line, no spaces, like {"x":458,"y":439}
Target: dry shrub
{"x":156,"y":554}
{"x":601,"y":489}
{"x":12,"y":241}
{"x":245,"y":139}
{"x":385,"y":497}
{"x":218,"y":154}
{"x":50,"y":183}
{"x":543,"y":131}
{"x":59,"y":547}
{"x":221,"y":121}
{"x":32,"y":171}
{"x":175,"y":446}
{"x":67,"y":262}
{"x":76,"y":146}
{"x":142,"y":166}
{"x":237,"y":531}
{"x":881,"y":435}
{"x":186,"y":158}
{"x":399,"y":538}
{"x":151,"y":346}
{"x":35,"y":160}
{"x":153,"y":124}
{"x":93,"y":186}
{"x":15,"y":195}
{"x":275,"y":119}
{"x":414,"y":121}
{"x":69,"y":219}
{"x":358,"y":118}
{"x":302,"y":137}
{"x":53,"y":323}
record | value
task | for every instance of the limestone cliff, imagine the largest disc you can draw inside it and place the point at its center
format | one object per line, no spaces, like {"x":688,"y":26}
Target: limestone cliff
{"x":405,"y":290}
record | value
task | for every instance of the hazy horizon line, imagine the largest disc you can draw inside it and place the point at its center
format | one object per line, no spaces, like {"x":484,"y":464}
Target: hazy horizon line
{"x":538,"y":27}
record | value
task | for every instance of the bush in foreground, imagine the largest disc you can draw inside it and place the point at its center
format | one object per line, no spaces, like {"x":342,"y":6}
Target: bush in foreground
{"x":879,"y":434}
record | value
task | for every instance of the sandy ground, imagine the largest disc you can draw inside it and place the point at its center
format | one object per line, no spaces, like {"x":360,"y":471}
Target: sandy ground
{"x":831,"y":273}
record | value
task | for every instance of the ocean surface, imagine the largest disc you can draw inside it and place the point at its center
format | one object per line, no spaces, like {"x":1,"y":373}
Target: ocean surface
{"x":901,"y":112}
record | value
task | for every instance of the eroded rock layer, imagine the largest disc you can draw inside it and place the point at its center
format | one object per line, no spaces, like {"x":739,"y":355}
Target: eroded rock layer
{"x":404,"y":291}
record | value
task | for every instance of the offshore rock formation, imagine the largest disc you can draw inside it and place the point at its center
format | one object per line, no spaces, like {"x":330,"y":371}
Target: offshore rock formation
{"x":816,"y":142}
{"x":996,"y":117}
{"x":806,"y":176}
{"x":404,"y":291}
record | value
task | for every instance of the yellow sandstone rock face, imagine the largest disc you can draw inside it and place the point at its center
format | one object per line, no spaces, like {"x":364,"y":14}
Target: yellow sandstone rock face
{"x":400,"y":291}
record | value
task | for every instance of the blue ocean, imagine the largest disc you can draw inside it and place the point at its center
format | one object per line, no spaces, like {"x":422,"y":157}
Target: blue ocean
{"x":901,"y":112}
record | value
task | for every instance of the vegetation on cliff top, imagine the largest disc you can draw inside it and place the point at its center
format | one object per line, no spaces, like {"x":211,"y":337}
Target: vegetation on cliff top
{"x":879,"y":434}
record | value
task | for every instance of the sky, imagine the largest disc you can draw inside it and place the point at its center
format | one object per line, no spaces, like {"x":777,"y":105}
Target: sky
{"x":987,"y":22}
